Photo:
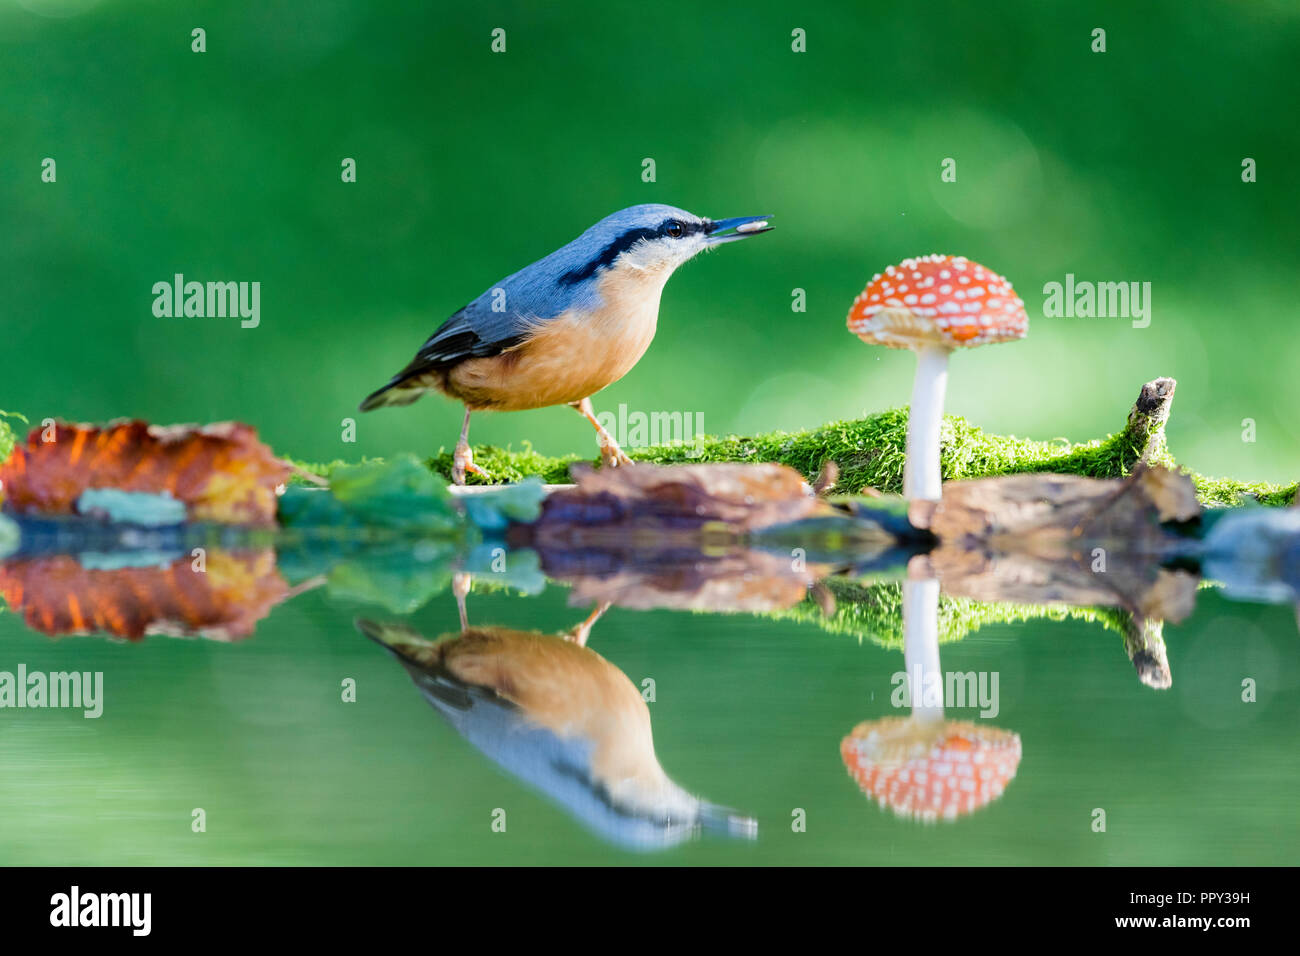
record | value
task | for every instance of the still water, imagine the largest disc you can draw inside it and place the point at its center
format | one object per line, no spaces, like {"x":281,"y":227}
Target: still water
{"x":748,"y":711}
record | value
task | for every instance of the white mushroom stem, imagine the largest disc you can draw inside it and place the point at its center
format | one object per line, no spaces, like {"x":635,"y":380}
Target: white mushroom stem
{"x":921,"y":476}
{"x":921,"y":648}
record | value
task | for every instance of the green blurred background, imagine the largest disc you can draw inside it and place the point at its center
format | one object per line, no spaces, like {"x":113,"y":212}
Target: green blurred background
{"x":226,"y":166}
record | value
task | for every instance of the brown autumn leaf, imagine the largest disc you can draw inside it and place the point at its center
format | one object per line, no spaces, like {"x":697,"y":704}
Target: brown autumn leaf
{"x":741,"y":497}
{"x":221,"y":472}
{"x":738,"y":579}
{"x":57,"y":596}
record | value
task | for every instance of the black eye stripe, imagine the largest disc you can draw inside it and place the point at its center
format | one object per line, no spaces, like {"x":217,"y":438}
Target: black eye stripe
{"x":627,"y":240}
{"x":676,"y":228}
{"x":606,"y":256}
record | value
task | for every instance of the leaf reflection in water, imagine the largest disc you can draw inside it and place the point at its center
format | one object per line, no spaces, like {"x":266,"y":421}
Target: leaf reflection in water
{"x":220,"y":596}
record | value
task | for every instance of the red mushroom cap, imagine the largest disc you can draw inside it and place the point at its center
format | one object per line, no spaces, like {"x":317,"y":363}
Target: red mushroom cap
{"x":937,"y":300}
{"x":929,"y":771}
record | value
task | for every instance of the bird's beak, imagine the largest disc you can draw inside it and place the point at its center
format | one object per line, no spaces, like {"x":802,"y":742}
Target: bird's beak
{"x":742,"y":227}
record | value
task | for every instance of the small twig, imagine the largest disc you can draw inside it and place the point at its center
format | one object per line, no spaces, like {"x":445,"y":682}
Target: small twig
{"x":1144,"y":642}
{"x":308,"y":476}
{"x":830,"y":473}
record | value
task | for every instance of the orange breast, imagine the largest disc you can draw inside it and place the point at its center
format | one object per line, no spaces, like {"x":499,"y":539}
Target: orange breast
{"x":570,"y":356}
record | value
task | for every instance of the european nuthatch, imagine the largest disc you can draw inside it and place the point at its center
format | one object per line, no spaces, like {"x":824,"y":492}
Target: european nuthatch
{"x":564,"y":720}
{"x":563,"y":328}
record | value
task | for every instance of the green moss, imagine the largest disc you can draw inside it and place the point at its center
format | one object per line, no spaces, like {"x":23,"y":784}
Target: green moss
{"x":504,"y":465}
{"x":7,"y":436}
{"x":870,"y":453}
{"x":324,"y":469}
{"x":874,"y":612}
{"x":1229,"y":491}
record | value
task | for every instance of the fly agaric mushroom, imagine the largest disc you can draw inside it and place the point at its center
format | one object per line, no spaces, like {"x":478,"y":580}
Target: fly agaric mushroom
{"x":933,"y":305}
{"x":923,"y":766}
{"x":929,"y":771}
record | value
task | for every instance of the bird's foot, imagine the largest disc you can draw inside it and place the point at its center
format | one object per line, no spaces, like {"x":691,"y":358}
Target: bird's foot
{"x":462,"y":461}
{"x":611,"y":456}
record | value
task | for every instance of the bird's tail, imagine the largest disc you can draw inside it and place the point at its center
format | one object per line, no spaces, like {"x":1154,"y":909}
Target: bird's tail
{"x":396,"y":392}
{"x":401,"y":640}
{"x":420,"y":657}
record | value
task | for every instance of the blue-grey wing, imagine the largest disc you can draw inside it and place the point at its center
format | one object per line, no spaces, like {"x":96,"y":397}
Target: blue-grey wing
{"x":475,"y":331}
{"x":472,"y":332}
{"x":499,"y":319}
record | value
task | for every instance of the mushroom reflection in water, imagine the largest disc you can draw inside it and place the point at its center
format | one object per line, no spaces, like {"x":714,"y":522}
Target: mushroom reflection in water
{"x":922,"y":766}
{"x":562,"y":719}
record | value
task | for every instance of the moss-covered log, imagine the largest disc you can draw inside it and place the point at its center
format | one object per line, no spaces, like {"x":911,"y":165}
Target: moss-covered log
{"x":870,"y":453}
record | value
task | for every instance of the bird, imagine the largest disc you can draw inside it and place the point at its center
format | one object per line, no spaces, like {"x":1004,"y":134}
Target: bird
{"x":559,"y":717}
{"x":563,"y":328}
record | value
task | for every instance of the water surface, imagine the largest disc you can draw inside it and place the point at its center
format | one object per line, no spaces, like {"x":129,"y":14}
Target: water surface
{"x":748,"y":712}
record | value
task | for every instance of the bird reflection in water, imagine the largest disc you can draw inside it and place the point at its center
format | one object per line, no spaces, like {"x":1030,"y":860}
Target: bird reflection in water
{"x":558,"y":716}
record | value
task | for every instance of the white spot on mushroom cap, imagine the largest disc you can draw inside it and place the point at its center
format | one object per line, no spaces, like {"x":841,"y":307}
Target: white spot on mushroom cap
{"x":1001,"y":318}
{"x":963,"y":767}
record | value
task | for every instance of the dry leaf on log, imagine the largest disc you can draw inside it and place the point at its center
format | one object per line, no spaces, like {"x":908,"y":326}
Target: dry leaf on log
{"x":220,"y":472}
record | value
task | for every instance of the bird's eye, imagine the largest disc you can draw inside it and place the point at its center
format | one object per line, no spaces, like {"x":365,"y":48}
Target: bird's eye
{"x":675,"y":229}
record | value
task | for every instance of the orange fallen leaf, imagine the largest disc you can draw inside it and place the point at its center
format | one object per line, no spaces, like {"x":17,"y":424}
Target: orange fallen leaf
{"x":221,"y":472}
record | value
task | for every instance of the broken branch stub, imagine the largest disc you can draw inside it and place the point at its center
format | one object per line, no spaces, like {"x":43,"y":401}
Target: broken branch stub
{"x":1147,"y":420}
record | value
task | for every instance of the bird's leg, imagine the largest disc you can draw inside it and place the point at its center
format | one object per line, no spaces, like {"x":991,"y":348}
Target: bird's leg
{"x":462,"y":459}
{"x":579,"y":633}
{"x":461,"y":583}
{"x":610,"y":454}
